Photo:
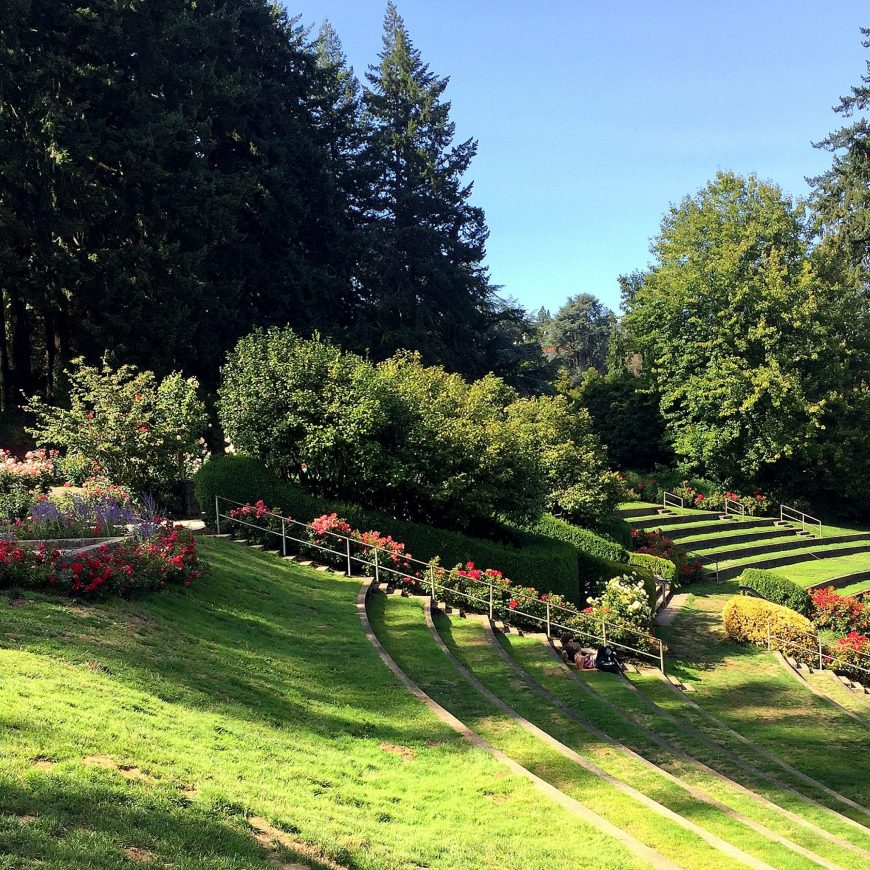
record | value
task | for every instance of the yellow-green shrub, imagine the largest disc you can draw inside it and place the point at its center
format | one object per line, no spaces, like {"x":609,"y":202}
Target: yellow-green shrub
{"x":748,"y":619}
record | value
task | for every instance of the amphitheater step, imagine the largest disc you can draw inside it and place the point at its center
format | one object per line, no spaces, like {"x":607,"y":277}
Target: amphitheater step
{"x":807,"y":555}
{"x":798,"y":543}
{"x":628,"y":513}
{"x":653,"y":521}
{"x":718,"y":526}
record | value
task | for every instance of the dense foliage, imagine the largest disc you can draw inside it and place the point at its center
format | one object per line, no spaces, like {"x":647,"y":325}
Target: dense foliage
{"x":525,"y":556}
{"x":755,"y":620}
{"x":139,"y":431}
{"x":229,"y":172}
{"x":413,"y":440}
{"x":779,"y":590}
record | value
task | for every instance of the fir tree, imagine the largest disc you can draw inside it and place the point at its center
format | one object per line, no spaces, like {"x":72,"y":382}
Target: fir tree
{"x":424,"y":279}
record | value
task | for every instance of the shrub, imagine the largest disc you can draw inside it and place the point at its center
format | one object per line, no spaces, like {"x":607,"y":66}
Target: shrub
{"x":657,"y":564}
{"x":322,"y":535}
{"x":572,"y":460}
{"x":412,"y":440}
{"x":535,"y":559}
{"x":851,"y":656}
{"x":142,"y":433}
{"x":583,"y":539}
{"x":839,"y":613}
{"x":654,"y":543}
{"x":779,"y":590}
{"x":133,"y":567}
{"x":752,"y":620}
{"x":623,"y":600}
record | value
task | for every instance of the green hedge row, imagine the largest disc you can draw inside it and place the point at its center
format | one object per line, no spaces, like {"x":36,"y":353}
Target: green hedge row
{"x":543,"y":562}
{"x":777,"y":589}
{"x":583,"y":539}
{"x":663,"y":567}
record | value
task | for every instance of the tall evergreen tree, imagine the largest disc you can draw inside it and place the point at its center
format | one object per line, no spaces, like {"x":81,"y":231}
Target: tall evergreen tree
{"x":423,"y":279}
{"x":842,"y":194}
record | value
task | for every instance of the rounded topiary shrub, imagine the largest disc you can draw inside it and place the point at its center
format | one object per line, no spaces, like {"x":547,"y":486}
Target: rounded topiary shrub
{"x":753,"y":620}
{"x":777,"y":589}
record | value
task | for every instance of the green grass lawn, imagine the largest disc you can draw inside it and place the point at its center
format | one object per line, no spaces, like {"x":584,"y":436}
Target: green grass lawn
{"x":401,"y":628}
{"x":245,"y":721}
{"x":809,"y":573}
{"x":745,"y":687}
{"x":467,"y":640}
{"x":622,"y":713}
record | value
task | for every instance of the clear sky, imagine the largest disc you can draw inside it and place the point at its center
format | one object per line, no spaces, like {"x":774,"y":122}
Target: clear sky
{"x":593,"y":115}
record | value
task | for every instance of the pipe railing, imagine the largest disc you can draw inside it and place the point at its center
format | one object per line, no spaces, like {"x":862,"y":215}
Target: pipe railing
{"x":793,"y":515}
{"x":345,"y":551}
{"x":734,"y":507}
{"x":675,"y":500}
{"x":813,"y":646}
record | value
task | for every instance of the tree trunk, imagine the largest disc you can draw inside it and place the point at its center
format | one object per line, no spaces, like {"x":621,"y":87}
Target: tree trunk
{"x":6,"y":393}
{"x":22,"y":369}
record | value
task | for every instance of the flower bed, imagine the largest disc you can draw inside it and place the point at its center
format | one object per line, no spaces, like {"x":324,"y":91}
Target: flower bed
{"x":132,"y":567}
{"x":839,"y":613}
{"x":624,"y":601}
{"x":700,"y":494}
{"x":656,"y":544}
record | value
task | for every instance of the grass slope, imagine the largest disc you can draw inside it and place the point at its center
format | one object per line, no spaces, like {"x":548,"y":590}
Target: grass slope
{"x":162,"y":732}
{"x":746,"y":688}
{"x":400,"y":625}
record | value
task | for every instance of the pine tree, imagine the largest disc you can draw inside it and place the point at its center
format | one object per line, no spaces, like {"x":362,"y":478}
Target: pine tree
{"x":842,"y":194}
{"x":424,"y":280}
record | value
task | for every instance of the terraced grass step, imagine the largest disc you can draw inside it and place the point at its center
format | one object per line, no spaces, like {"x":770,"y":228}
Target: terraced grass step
{"x":778,"y":545}
{"x":400,"y":626}
{"x":843,"y":581}
{"x":745,"y":689}
{"x":678,"y":532}
{"x":735,"y":568}
{"x":644,"y":510}
{"x":681,"y":518}
{"x":733,"y":536}
{"x":553,"y":682}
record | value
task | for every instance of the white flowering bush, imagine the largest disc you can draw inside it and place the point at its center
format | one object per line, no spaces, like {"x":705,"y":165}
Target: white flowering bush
{"x":623,"y":601}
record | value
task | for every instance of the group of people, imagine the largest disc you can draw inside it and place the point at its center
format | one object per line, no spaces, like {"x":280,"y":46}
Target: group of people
{"x":603,"y":659}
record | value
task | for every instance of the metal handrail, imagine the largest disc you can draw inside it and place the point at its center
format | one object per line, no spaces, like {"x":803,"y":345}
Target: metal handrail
{"x":816,"y":650}
{"x":799,"y":517}
{"x":678,"y":499}
{"x":347,"y":553}
{"x":732,"y":506}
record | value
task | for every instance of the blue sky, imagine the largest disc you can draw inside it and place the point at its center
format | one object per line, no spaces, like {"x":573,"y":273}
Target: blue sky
{"x":592,"y":117}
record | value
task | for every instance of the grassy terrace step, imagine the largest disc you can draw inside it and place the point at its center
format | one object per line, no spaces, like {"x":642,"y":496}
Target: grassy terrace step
{"x":735,"y":536}
{"x":779,"y":545}
{"x":467,"y":641}
{"x":734,"y":567}
{"x":401,"y":628}
{"x":829,"y":683}
{"x":745,"y":688}
{"x":855,"y":567}
{"x":715,"y":526}
{"x":167,"y":725}
{"x":618,"y":710}
{"x":680,"y":518}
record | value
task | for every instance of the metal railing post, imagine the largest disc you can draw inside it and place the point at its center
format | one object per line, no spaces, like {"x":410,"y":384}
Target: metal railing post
{"x":821,"y":659}
{"x":661,"y":657}
{"x":768,"y":634}
{"x":217,"y":514}
{"x":604,"y":632}
{"x":549,"y":633}
{"x":432,"y":581}
{"x":349,"y":567}
{"x":283,"y":536}
{"x":490,"y":603}
{"x":377,"y":569}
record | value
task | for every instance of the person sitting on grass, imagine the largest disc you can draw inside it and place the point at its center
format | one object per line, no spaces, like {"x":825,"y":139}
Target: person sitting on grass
{"x":572,"y":652}
{"x":606,"y":660}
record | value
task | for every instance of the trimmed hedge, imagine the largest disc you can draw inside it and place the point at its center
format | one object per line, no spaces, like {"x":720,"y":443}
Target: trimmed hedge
{"x":777,"y":589}
{"x":583,"y":539}
{"x":747,"y":619}
{"x":663,"y":567}
{"x":547,"y":564}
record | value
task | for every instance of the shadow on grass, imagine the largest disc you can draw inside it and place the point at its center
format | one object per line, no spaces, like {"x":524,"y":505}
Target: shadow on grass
{"x":261,"y":640}
{"x":68,"y":821}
